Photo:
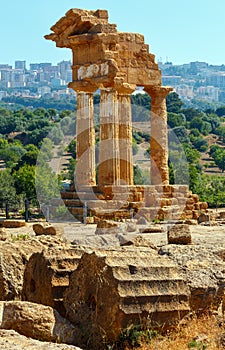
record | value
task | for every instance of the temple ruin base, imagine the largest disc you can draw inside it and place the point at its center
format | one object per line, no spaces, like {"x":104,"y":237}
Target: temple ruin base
{"x":153,"y":202}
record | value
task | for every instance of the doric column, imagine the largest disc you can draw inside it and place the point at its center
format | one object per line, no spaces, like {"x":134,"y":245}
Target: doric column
{"x":159,"y":135}
{"x":109,"y":163}
{"x":85,"y":146}
{"x":125,"y":136}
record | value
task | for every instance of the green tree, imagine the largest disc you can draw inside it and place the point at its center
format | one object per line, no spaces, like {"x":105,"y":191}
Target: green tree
{"x":219,"y":159}
{"x":220,"y":111}
{"x":7,"y":188}
{"x":48,"y":184}
{"x":173,"y":103}
{"x":71,"y":148}
{"x":191,"y":113}
{"x":25,"y":181}
{"x":220,"y":131}
{"x":180,"y":132}
{"x":175,"y":119}
{"x":200,"y":144}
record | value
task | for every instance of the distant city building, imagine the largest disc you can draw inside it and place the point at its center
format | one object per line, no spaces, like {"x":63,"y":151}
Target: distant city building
{"x":190,"y":80}
{"x":186,"y":92}
{"x":57,"y":82}
{"x":3,"y":94}
{"x":44,"y":90}
{"x":39,"y":66}
{"x":5,"y":66}
{"x":208,"y":93}
{"x":198,"y":65}
{"x":217,"y":80}
{"x":20,"y":65}
{"x":65,"y":71}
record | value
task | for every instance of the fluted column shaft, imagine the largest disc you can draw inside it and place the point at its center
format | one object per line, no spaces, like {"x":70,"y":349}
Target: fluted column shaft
{"x":85,"y":146}
{"x":125,"y":138}
{"x":109,"y":163}
{"x":159,"y":136}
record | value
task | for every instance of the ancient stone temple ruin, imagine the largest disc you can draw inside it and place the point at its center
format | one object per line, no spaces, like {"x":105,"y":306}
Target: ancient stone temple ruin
{"x":116,"y":63}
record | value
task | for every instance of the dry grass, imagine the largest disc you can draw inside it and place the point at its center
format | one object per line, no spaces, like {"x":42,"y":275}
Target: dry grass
{"x":207,"y":332}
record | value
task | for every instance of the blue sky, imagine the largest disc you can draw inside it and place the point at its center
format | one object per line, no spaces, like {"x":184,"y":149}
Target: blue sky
{"x":178,"y":31}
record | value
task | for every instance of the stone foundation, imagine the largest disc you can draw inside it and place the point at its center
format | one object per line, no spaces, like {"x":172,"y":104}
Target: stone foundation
{"x":169,"y":202}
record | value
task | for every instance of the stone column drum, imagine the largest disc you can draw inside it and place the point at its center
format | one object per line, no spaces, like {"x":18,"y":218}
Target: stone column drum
{"x":109,"y":162}
{"x":125,"y":137}
{"x":159,"y":136}
{"x":85,"y":147}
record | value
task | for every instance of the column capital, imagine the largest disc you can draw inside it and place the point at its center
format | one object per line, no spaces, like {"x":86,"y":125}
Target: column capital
{"x":158,"y":91}
{"x":83,"y":86}
{"x":123,"y":88}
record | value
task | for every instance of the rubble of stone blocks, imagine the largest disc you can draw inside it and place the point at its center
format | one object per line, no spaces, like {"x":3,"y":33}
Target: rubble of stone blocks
{"x":46,"y":276}
{"x":112,"y":289}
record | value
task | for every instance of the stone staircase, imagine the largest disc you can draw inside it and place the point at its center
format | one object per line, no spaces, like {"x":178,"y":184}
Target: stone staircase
{"x":110,"y":290}
{"x":170,"y":202}
{"x":47,"y":276}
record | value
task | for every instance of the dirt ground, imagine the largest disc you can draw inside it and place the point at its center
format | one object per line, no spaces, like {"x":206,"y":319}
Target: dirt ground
{"x":201,"y":234}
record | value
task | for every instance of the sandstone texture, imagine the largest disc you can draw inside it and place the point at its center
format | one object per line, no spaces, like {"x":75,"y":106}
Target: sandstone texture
{"x":179,"y":234}
{"x":47,"y":273}
{"x":47,"y":229}
{"x":111,"y":289}
{"x":116,"y":63}
{"x":204,"y":272}
{"x":14,"y":256}
{"x":11,"y":340}
{"x":104,"y":290}
{"x":36,"y":321}
{"x":14,"y":223}
{"x":109,"y":227}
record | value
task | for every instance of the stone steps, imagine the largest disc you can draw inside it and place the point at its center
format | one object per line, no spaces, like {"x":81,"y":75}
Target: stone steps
{"x":151,"y":306}
{"x":50,"y":272}
{"x":139,"y":287}
{"x":132,"y":284}
{"x":153,"y":202}
{"x":149,"y":301}
{"x":155,"y":273}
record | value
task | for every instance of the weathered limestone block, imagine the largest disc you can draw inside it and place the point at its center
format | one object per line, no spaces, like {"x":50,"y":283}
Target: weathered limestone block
{"x":113,"y":55}
{"x":115,"y":288}
{"x":110,"y":227}
{"x":136,"y":241}
{"x":197,"y":206}
{"x":203,"y":205}
{"x":47,"y":229}
{"x":36,"y":321}
{"x":10,"y":339}
{"x":39,"y":229}
{"x":204,"y":272}
{"x":179,"y":234}
{"x":222,"y":215}
{"x":13,"y":259}
{"x":195,"y":197}
{"x":203,"y":218}
{"x":14,"y":223}
{"x":46,"y":276}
